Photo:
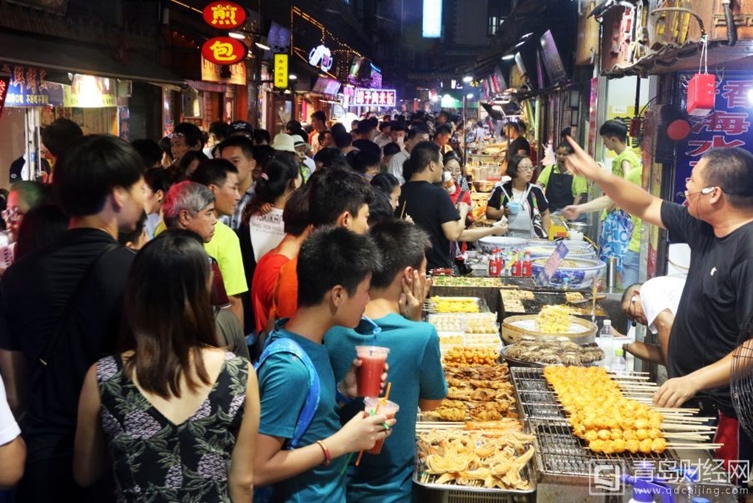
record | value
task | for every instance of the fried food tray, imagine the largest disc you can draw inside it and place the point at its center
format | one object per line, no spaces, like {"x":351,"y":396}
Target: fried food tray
{"x":426,"y":480}
{"x":541,"y":299}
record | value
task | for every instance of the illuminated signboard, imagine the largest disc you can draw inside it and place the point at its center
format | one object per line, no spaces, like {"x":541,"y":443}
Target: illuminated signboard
{"x":28,"y":87}
{"x":281,"y":71}
{"x":224,"y":15}
{"x":321,"y":57}
{"x":4,"y":83}
{"x":375,"y":97}
{"x":224,"y":50}
{"x":432,"y":25}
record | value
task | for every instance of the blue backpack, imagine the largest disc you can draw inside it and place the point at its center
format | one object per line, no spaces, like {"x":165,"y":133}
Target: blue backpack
{"x":286,"y":345}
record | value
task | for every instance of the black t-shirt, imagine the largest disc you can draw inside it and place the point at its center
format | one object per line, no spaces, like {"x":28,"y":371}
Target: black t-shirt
{"x":716,"y":307}
{"x":536,"y":198}
{"x":520,"y":143}
{"x":34,"y":293}
{"x":430,"y":206}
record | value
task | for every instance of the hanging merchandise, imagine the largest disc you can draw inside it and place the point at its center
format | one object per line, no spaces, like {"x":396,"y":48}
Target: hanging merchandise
{"x":702,"y":86}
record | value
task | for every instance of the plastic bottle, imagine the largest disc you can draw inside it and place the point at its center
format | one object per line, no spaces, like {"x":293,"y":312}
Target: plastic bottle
{"x":527,"y":265}
{"x":495,"y":264}
{"x":605,"y":341}
{"x":686,"y":487}
{"x":619,"y":363}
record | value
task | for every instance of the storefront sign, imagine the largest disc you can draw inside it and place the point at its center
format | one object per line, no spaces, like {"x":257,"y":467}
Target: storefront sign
{"x":28,"y":88}
{"x":729,"y":125}
{"x":375,"y":97}
{"x":4,"y":83}
{"x":224,"y":15}
{"x":281,"y":71}
{"x":224,"y":50}
{"x":87,"y":91}
{"x":211,"y":72}
{"x":321,"y":57}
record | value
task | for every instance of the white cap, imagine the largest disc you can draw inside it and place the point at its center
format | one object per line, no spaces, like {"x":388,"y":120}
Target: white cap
{"x":608,"y":323}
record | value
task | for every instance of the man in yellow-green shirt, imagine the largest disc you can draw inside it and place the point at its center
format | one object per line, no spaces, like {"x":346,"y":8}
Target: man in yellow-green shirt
{"x":628,"y":166}
{"x":561,"y":187}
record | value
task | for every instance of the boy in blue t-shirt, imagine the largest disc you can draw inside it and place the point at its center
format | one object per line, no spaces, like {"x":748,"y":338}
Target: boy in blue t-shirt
{"x":334,"y":270}
{"x":414,"y":361}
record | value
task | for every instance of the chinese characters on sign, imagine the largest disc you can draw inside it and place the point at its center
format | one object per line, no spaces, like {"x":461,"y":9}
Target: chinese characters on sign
{"x":727,"y":126}
{"x":281,"y":71}
{"x":224,"y":15}
{"x":224,"y":50}
{"x":27,"y":87}
{"x":375,"y":97}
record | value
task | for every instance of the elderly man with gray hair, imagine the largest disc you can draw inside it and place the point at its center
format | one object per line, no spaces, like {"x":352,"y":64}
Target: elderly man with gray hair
{"x":190,"y":206}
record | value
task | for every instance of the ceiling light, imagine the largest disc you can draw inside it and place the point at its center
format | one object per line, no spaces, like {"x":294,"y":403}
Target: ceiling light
{"x":262,"y":46}
{"x":508,"y":57}
{"x":469,"y":96}
{"x":520,"y":44}
{"x":292,"y":76}
{"x":237,"y":35}
{"x":467,"y":79}
{"x":526,"y":35}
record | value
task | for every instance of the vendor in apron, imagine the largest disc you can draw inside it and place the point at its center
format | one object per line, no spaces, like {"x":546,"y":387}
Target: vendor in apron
{"x":560,"y":186}
{"x":524,"y":204}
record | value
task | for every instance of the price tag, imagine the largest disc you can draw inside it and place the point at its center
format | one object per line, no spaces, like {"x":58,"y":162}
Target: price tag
{"x":554,"y":261}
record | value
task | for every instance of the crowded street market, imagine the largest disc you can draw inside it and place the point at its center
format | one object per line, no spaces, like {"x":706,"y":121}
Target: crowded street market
{"x":410,"y":251}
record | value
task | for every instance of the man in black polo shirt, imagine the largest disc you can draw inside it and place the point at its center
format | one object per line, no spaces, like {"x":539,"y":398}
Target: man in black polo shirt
{"x":430,"y":207}
{"x":60,"y":309}
{"x":715,"y":314}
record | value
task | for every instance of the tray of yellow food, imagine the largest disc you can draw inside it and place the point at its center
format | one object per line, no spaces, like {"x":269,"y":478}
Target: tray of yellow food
{"x":467,"y":281}
{"x":455,"y":305}
{"x":494,"y":461}
{"x":576,"y":329}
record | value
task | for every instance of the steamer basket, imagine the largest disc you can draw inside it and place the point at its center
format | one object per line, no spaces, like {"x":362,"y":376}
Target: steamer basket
{"x":515,"y":327}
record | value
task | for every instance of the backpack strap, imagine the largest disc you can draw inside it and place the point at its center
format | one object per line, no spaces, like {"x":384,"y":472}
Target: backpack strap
{"x":306,"y":415}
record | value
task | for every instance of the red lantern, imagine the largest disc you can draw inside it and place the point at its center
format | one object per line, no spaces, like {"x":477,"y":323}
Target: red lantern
{"x":224,"y":15}
{"x":224,"y":50}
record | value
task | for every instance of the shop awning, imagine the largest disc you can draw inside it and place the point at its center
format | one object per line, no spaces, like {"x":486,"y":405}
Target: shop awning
{"x":75,"y":58}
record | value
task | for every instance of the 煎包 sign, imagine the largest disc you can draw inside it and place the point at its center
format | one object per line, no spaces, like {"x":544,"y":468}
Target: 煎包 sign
{"x":224,"y":50}
{"x":224,"y":15}
{"x":377,"y":97}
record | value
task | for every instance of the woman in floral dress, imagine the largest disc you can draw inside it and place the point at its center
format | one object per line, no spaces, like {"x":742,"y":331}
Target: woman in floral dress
{"x":177,"y":415}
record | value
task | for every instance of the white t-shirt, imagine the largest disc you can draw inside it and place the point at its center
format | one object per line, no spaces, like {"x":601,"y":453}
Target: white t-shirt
{"x":396,"y":165}
{"x":266,"y":231}
{"x":658,"y":294}
{"x":9,"y":429}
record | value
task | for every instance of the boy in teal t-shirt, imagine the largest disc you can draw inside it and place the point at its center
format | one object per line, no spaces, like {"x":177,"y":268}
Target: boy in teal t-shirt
{"x":334,"y":271}
{"x":414,"y":361}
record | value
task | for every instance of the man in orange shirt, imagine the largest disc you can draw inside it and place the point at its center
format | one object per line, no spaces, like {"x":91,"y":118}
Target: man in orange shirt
{"x":267,"y":272}
{"x":336,"y":197}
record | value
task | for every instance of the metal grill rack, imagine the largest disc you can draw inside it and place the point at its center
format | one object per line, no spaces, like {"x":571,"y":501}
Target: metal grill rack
{"x":559,"y":453}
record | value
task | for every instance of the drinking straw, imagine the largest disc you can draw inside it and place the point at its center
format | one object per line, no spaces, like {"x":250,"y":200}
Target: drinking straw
{"x":374,"y":411}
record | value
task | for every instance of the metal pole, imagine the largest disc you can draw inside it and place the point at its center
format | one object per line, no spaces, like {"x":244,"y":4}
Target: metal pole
{"x":465,"y":131}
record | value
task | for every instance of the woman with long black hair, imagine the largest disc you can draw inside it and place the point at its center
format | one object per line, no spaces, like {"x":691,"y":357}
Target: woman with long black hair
{"x":177,"y":415}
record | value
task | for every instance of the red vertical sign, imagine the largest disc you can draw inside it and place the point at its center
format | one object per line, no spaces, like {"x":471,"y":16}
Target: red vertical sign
{"x":4,"y":83}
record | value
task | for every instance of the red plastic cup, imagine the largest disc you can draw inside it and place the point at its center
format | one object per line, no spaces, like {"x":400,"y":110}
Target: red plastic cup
{"x":370,"y":372}
{"x":387,"y":408}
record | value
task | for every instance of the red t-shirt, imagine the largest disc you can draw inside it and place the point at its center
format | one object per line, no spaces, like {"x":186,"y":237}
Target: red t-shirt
{"x":286,"y":293}
{"x":263,"y":287}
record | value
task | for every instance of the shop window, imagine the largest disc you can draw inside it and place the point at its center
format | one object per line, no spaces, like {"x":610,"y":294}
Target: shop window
{"x":498,"y":11}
